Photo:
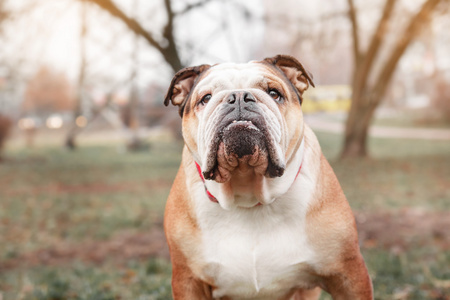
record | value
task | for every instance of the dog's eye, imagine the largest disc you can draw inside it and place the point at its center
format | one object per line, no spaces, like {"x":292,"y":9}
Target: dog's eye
{"x":205,"y":99}
{"x":275,"y":94}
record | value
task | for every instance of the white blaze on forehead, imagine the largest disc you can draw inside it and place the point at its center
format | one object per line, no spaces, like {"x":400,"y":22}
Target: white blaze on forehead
{"x":231,"y":77}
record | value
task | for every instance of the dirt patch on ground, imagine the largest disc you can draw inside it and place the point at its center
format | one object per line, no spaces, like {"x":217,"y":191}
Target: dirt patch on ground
{"x":120,"y":248}
{"x":97,"y":188}
{"x":393,"y":231}
{"x":400,"y":230}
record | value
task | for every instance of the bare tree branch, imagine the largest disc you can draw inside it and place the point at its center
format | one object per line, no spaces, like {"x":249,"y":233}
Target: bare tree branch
{"x":110,"y":7}
{"x":243,"y":9}
{"x":366,"y":63}
{"x":3,"y":13}
{"x":411,"y":32}
{"x":192,"y":6}
{"x":169,"y":52}
{"x":168,"y":29}
{"x":355,"y":31}
{"x":80,"y":97}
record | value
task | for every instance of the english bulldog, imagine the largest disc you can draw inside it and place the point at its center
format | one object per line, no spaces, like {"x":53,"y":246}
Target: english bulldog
{"x":256,"y":212}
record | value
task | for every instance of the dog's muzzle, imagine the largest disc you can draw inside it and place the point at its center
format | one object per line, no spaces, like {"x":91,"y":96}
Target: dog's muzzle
{"x":242,"y":137}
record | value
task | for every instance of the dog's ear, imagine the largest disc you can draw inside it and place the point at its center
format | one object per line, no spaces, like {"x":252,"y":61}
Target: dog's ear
{"x":293,"y":70}
{"x":182,"y":84}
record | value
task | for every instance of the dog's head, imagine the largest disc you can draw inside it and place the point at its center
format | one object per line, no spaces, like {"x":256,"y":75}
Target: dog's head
{"x":241,"y":116}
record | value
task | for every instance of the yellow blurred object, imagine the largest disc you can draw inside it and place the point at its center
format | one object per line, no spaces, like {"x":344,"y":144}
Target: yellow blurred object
{"x":327,"y":98}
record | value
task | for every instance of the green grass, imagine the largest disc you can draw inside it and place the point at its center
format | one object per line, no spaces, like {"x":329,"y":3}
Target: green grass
{"x":400,"y":173}
{"x":402,"y":119}
{"x":49,"y":196}
{"x":412,"y":119}
{"x":136,"y":280}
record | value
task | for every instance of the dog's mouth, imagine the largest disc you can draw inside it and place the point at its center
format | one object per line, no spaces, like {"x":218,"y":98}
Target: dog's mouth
{"x":243,"y":144}
{"x":241,"y":139}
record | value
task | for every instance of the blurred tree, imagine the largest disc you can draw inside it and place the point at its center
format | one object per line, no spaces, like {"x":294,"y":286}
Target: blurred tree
{"x":441,"y":98}
{"x":132,"y":108}
{"x":47,"y":92}
{"x":5,"y":127}
{"x":80,"y":97}
{"x":3,"y":12}
{"x":7,"y":88}
{"x":164,"y":42}
{"x":369,"y":84}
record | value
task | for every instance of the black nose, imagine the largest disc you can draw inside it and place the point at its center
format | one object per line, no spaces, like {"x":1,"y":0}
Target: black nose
{"x":239,"y":97}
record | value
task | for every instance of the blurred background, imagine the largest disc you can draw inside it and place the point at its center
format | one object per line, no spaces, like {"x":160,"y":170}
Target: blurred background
{"x":88,"y":151}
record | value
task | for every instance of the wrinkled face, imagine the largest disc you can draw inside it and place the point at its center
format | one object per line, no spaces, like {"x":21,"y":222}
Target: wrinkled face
{"x":238,"y":117}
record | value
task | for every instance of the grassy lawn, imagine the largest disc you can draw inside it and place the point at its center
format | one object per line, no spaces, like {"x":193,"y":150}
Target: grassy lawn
{"x":412,"y":119}
{"x":87,"y":224}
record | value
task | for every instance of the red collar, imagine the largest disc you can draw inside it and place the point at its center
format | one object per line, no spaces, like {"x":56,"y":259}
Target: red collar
{"x":210,"y":196}
{"x":214,"y":199}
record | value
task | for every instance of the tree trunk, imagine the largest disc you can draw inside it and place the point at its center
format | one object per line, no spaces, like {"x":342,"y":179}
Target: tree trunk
{"x":134,"y":143}
{"x":70,"y":141}
{"x":5,"y":128}
{"x":357,"y":128}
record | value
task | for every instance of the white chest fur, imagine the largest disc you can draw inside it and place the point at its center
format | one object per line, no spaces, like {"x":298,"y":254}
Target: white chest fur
{"x":257,"y":253}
